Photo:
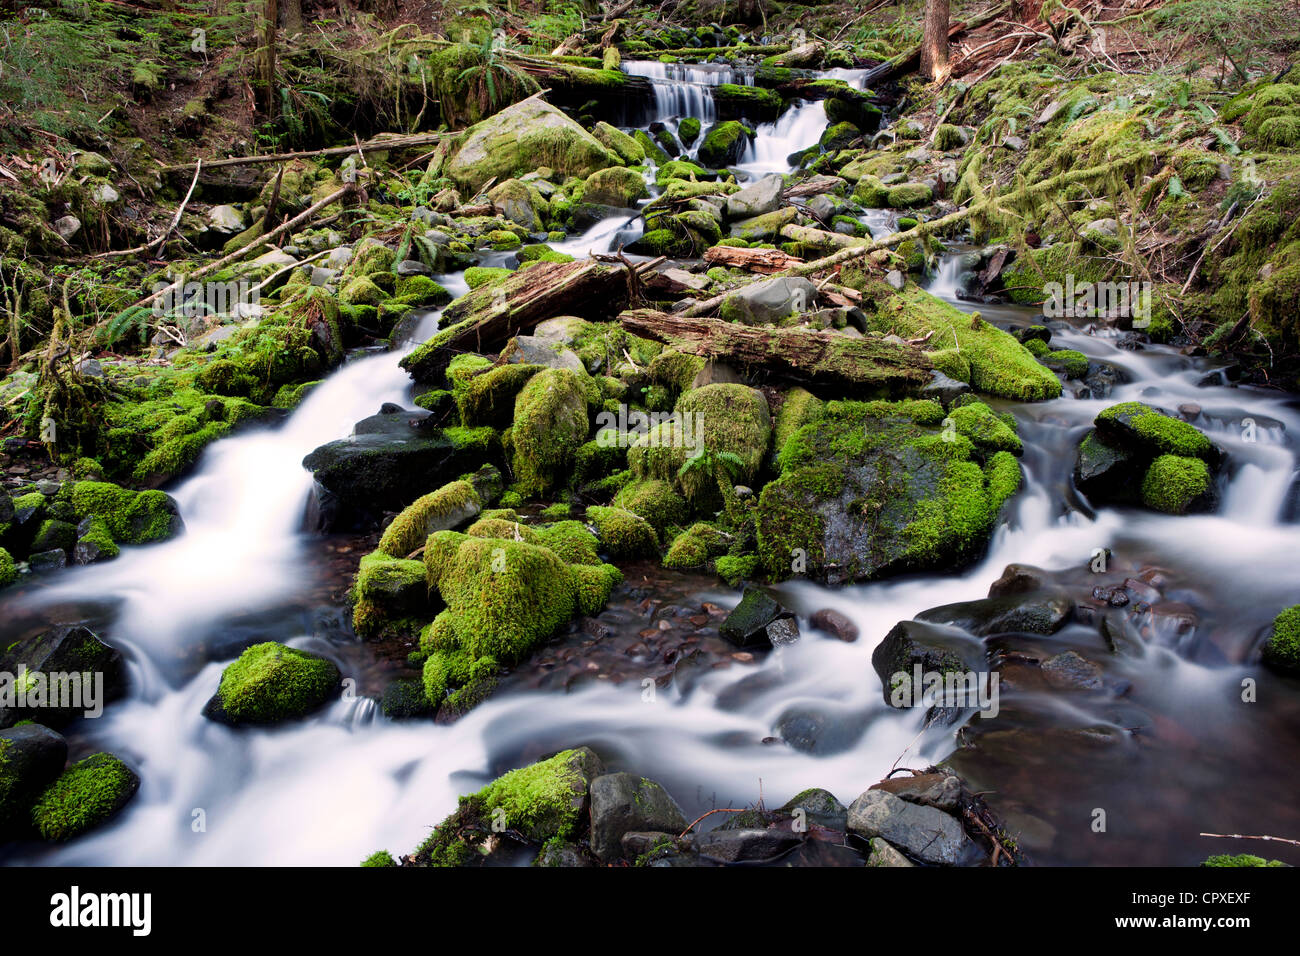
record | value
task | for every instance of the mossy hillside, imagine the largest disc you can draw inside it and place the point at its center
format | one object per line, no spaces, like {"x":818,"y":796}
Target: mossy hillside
{"x":271,"y":682}
{"x":872,"y":489}
{"x":86,"y":795}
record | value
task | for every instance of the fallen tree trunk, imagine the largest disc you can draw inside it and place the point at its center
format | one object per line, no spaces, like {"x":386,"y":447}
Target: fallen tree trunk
{"x":485,"y":319}
{"x":860,"y":367}
{"x":374,"y":145}
{"x":942,"y":223}
{"x":765,"y":261}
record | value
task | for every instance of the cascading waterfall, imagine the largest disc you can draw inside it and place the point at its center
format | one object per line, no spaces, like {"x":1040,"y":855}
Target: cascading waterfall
{"x":333,"y":788}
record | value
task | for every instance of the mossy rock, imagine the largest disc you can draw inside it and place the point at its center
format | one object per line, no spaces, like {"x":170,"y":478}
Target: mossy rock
{"x":1178,"y":485}
{"x":550,"y":423}
{"x":724,"y":144}
{"x":658,"y":502}
{"x":622,"y":533}
{"x":545,"y":801}
{"x":1147,"y":430}
{"x":270,"y":683}
{"x":871,"y":490}
{"x":86,"y":795}
{"x":616,"y":186}
{"x":31,"y":757}
{"x":1282,"y":651}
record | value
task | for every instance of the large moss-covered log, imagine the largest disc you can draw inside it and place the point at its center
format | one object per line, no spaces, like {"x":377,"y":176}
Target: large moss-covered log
{"x":861,"y":367}
{"x":485,"y":319}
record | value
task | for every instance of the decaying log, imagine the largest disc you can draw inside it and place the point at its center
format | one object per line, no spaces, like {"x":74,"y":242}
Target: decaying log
{"x":765,"y":261}
{"x":813,"y":187}
{"x":861,"y":367}
{"x":485,"y":319}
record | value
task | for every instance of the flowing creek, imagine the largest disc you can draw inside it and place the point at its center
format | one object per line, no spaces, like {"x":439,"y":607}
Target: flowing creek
{"x":1175,"y":753}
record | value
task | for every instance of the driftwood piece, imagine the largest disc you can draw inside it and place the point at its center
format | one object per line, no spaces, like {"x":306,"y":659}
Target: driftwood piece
{"x":766,"y":261}
{"x":820,"y":238}
{"x":861,"y":367}
{"x":486,"y":318}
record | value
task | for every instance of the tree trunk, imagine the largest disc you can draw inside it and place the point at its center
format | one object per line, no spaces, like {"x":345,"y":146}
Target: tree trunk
{"x":291,"y":16}
{"x":766,"y":261}
{"x":270,"y":15}
{"x":934,"y":44}
{"x":863,"y":368}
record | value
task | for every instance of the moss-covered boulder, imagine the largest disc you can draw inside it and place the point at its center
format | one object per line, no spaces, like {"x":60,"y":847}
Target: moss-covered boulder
{"x":616,"y":186}
{"x":622,"y":533}
{"x":86,"y":795}
{"x":270,"y":683}
{"x":388,"y":591}
{"x":449,"y":507}
{"x":724,"y":144}
{"x":1282,"y":651}
{"x":965,"y":347}
{"x":873,"y":489}
{"x":63,"y":650}
{"x":658,"y":502}
{"x":1137,"y":454}
{"x":31,"y":757}
{"x":504,"y":597}
{"x":620,"y":143}
{"x":545,"y":801}
{"x":731,"y":422}
{"x":518,"y":140}
{"x":550,"y":423}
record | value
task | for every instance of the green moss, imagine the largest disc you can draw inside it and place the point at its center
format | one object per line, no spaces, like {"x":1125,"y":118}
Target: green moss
{"x":271,"y":682}
{"x":1241,"y":859}
{"x":550,"y":423}
{"x":695,"y":546}
{"x":595,"y":583}
{"x":623,"y":534}
{"x":1073,"y":363}
{"x":722,"y":143}
{"x":476,"y":276}
{"x":84,"y":796}
{"x":8,"y":573}
{"x":379,"y":858}
{"x":489,"y":398}
{"x":654,"y":500}
{"x":1283,"y":648}
{"x":688,"y":129}
{"x":737,"y":568}
{"x":1174,"y":484}
{"x":1152,"y":428}
{"x":978,"y":423}
{"x":132,"y":517}
{"x":100,"y":538}
{"x":571,"y":541}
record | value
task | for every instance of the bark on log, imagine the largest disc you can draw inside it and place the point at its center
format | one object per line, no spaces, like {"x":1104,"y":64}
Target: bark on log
{"x":766,"y":261}
{"x":485,"y":319}
{"x":861,"y":368}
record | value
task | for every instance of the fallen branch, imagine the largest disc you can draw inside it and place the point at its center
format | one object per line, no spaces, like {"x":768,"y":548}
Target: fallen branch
{"x":235,"y":256}
{"x":374,"y":145}
{"x":1241,"y":836}
{"x":170,"y":228}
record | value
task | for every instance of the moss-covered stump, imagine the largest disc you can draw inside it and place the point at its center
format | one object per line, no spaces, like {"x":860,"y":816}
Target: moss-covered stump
{"x":31,"y":757}
{"x":1282,"y":650}
{"x":518,"y":140}
{"x":1136,"y":454}
{"x":86,"y":795}
{"x":545,"y":801}
{"x":50,"y":656}
{"x":504,"y":597}
{"x":873,"y":489}
{"x":270,"y":683}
